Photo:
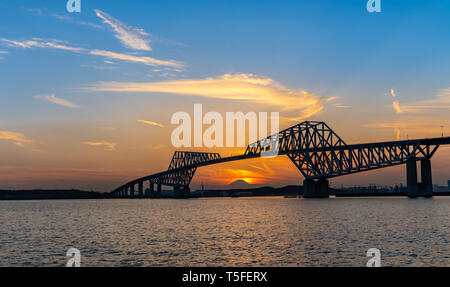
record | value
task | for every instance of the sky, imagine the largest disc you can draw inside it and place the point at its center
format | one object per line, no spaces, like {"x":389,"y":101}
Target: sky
{"x":86,"y":99}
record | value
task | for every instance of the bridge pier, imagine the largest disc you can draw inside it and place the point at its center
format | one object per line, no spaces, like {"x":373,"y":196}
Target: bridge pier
{"x":132,"y":191}
{"x":182,"y":192}
{"x":411,"y":178}
{"x":316,"y":189}
{"x":157,"y":193}
{"x":141,"y":189}
{"x":426,"y":186}
{"x":414,"y":188}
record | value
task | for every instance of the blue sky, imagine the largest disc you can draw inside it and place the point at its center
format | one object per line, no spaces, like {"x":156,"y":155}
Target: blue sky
{"x":353,"y":64}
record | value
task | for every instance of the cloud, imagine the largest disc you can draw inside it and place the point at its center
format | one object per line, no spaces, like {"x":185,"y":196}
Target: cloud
{"x":130,"y":58}
{"x":69,"y":19}
{"x":341,"y":106}
{"x":397,"y":133}
{"x":61,"y":45}
{"x":158,"y":147}
{"x":18,"y":138}
{"x":396,"y":104}
{"x":3,"y":52}
{"x":41,"y":43}
{"x":397,"y":107}
{"x":239,"y":87}
{"x":108,"y":145}
{"x":57,"y":101}
{"x":151,"y":123}
{"x":131,"y":37}
{"x":393,"y":93}
{"x":413,"y":125}
{"x":38,"y":11}
{"x":440,"y":102}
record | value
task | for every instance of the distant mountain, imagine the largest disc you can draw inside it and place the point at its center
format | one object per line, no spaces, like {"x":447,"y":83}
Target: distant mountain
{"x":241,"y":184}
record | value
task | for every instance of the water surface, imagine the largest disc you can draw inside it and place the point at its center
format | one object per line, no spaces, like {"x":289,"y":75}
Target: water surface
{"x":272,"y":231}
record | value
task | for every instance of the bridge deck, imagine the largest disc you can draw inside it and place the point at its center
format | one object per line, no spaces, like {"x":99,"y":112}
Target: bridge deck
{"x":344,"y":149}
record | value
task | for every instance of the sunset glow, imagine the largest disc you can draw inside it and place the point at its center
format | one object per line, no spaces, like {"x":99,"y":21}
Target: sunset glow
{"x":94,"y":92}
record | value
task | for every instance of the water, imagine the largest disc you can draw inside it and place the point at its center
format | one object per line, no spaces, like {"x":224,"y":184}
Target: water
{"x":226,"y":232}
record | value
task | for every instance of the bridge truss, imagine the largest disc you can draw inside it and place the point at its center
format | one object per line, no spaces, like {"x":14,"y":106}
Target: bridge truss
{"x":314,"y":148}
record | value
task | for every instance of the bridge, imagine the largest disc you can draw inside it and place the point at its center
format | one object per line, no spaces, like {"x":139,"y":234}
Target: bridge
{"x":318,"y":153}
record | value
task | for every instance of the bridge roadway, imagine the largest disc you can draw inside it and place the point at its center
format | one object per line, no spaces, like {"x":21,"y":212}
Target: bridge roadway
{"x":317,"y":152}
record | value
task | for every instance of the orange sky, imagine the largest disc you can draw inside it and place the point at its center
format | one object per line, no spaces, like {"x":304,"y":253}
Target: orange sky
{"x":87,"y":99}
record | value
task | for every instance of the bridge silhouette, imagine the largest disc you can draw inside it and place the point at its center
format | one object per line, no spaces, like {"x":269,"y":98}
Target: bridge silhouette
{"x":318,"y":153}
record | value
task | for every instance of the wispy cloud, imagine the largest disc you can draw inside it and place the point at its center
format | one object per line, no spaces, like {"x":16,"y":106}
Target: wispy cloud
{"x":38,"y":11}
{"x":341,"y":106}
{"x":107,"y":145}
{"x":158,"y":147}
{"x":69,"y":19}
{"x":397,"y":107}
{"x":393,"y":94}
{"x":239,"y":87}
{"x":440,"y":102}
{"x":61,"y":45}
{"x":18,"y":138}
{"x":150,"y":123}
{"x":57,"y":101}
{"x":397,"y":134}
{"x":130,"y":58}
{"x":41,"y":43}
{"x":413,"y":126}
{"x":131,"y":37}
{"x":396,"y":104}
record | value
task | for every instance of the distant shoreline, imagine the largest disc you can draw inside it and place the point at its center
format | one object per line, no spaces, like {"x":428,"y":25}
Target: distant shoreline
{"x":287,"y":191}
{"x":57,"y":194}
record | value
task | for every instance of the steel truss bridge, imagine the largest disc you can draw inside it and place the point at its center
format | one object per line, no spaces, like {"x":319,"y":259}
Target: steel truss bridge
{"x":318,"y":153}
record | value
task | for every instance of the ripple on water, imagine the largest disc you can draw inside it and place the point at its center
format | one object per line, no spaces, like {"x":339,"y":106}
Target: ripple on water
{"x":226,"y":232}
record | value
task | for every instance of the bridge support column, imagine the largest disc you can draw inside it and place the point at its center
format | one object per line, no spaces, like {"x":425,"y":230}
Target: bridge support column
{"x":426,"y":186}
{"x":415,"y":189}
{"x":147,"y":191}
{"x":124,"y":192}
{"x":159,"y":191}
{"x":141,"y":189}
{"x":152,"y":190}
{"x":411,"y":178}
{"x":182,"y":192}
{"x":132,"y":191}
{"x":155,"y":193}
{"x":316,"y":189}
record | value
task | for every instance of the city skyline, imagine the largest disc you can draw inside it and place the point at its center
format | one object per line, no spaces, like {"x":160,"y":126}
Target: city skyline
{"x":87,"y":97}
